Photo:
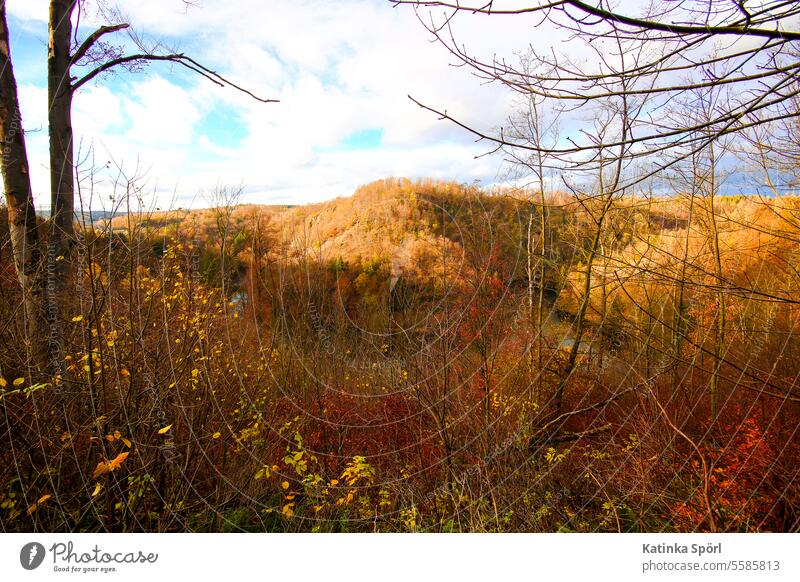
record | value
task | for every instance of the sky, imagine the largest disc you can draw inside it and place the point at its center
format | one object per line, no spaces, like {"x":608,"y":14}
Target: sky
{"x":342,"y":70}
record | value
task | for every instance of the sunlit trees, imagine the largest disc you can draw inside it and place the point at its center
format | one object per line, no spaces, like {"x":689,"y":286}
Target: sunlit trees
{"x":71,"y":65}
{"x":387,"y":383}
{"x":539,"y":128}
{"x":200,"y":415}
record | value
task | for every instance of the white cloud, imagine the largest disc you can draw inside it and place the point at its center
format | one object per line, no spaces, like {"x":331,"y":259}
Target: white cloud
{"x":337,"y":67}
{"x":96,"y":110}
{"x":162,"y":112}
{"x":29,"y":9}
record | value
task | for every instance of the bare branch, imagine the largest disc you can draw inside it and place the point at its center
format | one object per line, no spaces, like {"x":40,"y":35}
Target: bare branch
{"x":179,"y":59}
{"x":90,"y":41}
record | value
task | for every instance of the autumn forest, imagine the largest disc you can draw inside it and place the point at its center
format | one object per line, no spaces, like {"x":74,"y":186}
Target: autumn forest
{"x":603,"y":342}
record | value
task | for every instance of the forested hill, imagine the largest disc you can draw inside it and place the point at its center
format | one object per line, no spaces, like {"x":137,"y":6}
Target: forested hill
{"x":417,"y":351}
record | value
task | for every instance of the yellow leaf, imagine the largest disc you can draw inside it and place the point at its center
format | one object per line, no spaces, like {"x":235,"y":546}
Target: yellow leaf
{"x":43,"y":498}
{"x":124,"y":372}
{"x":110,"y":438}
{"x":276,"y":468}
{"x":97,"y":489}
{"x":334,"y":482}
{"x":77,"y":318}
{"x":287,"y":510}
{"x":216,"y":435}
{"x":285,"y":484}
{"x":3,"y":382}
{"x":165,"y":429}
{"x":19,"y":381}
{"x":126,"y":441}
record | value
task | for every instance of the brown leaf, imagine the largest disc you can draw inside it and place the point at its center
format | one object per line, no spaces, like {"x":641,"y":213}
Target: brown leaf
{"x":101,"y":469}
{"x":38,"y":504}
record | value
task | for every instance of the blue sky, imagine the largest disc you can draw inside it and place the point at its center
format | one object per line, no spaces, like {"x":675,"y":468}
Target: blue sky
{"x":342,"y":70}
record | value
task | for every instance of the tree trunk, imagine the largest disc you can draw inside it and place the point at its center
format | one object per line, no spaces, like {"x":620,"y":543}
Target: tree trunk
{"x":19,"y":198}
{"x":680,"y":316}
{"x":532,"y":391}
{"x":585,"y":301}
{"x":62,"y":213}
{"x":719,"y":318}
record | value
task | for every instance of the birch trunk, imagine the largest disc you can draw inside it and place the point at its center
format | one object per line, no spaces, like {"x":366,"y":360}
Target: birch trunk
{"x":17,"y":186}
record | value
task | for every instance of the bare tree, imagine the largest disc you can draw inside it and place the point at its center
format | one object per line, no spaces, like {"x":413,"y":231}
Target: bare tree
{"x":71,"y":65}
{"x":746,"y":53}
{"x":749,"y":47}
{"x":536,"y":127}
{"x":17,"y":186}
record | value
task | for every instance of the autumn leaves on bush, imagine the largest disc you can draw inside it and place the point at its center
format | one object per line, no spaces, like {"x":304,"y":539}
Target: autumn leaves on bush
{"x":421,"y":356}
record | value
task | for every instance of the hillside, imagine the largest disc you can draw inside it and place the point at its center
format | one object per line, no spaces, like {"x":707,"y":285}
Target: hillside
{"x":351,"y":365}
